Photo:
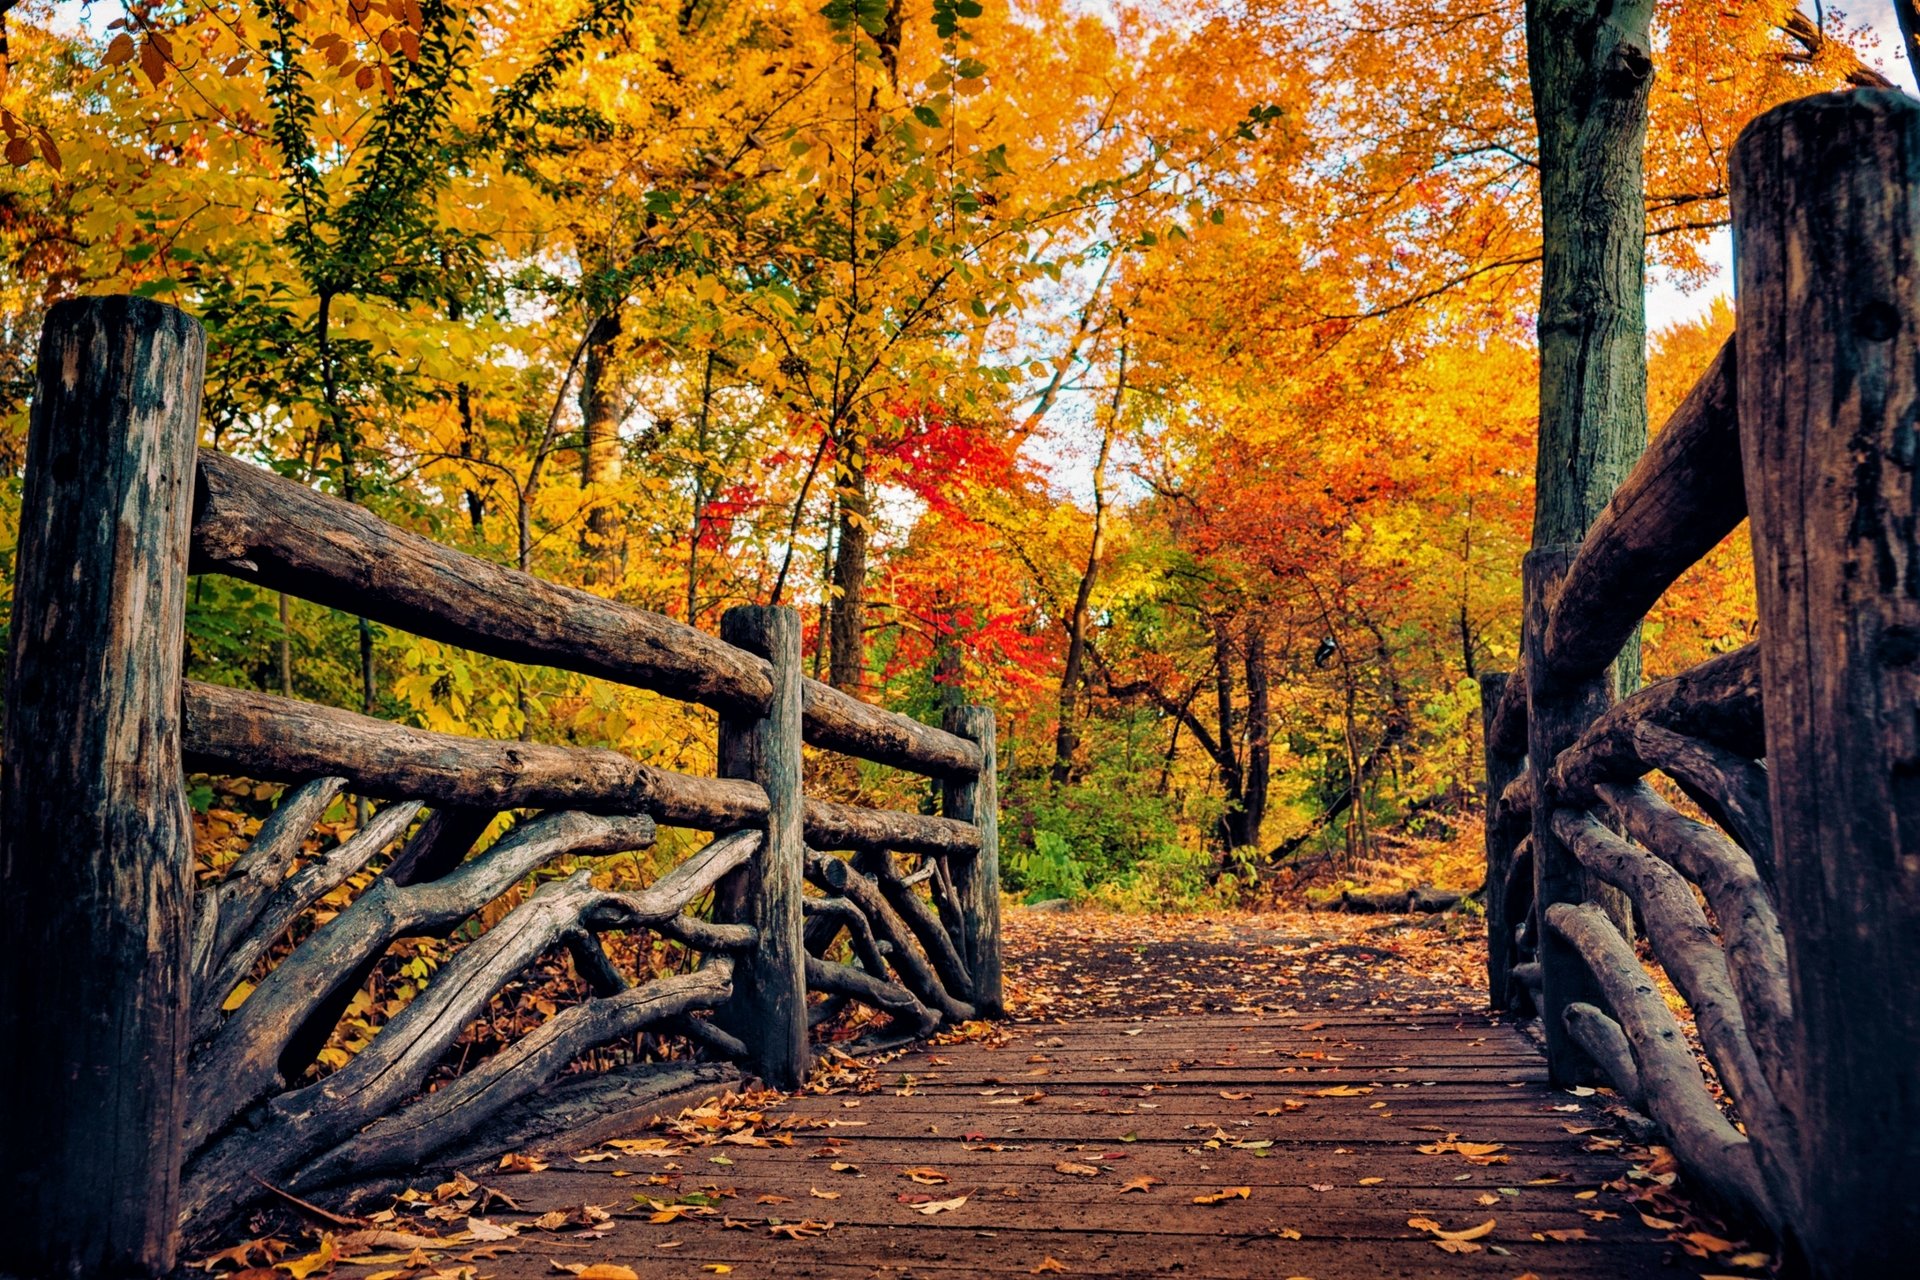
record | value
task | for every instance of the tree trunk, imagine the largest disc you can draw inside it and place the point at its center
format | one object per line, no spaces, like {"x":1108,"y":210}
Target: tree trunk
{"x":600,"y":447}
{"x":1226,"y":755}
{"x":1066,"y":736}
{"x":1590,"y":69}
{"x":95,"y":850}
{"x":1259,"y":755}
{"x":847,"y":656}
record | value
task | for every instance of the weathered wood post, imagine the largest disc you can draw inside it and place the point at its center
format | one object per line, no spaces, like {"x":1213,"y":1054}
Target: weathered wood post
{"x":977,"y":880}
{"x":1826,"y":198}
{"x":1556,"y":715}
{"x":95,"y":848}
{"x":769,"y":1008}
{"x":1501,"y":769}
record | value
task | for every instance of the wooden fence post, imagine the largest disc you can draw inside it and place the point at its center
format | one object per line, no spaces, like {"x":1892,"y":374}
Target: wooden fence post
{"x":769,"y":1008}
{"x":95,"y":846}
{"x":977,"y":880}
{"x":1501,"y":769}
{"x":1826,"y":200}
{"x":1555,"y":718}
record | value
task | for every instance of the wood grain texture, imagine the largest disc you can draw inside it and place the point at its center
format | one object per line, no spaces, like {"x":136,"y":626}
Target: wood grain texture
{"x":1826,"y":197}
{"x":769,"y":1006}
{"x":976,"y":880}
{"x":1556,"y":715}
{"x":256,"y":526}
{"x":95,"y":851}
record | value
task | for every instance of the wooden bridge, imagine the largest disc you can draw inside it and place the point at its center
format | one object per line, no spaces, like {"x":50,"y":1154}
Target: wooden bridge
{"x":141,"y":1091}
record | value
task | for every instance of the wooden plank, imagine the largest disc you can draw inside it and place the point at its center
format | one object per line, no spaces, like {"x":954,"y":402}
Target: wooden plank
{"x":95,"y":849}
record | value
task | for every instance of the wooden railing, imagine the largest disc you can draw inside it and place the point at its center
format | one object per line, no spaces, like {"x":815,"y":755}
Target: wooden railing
{"x":137,"y":1093}
{"x":1789,"y":920}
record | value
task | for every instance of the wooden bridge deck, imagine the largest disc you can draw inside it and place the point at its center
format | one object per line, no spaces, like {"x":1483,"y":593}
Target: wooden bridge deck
{"x":1287,"y":1073}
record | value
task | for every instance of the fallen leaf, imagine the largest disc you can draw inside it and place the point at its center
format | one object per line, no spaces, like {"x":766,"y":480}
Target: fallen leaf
{"x":1343,"y":1091}
{"x":1371,"y":1182}
{"x":925,"y":1177}
{"x":483,"y":1230}
{"x":800,"y":1230}
{"x":596,"y":1270}
{"x":940,"y":1206}
{"x":818,"y":1194}
{"x":1046,"y":1264}
{"x":318,"y":1262}
{"x":1141,"y":1183}
{"x":1077,"y":1170}
{"x":1230,"y":1096}
{"x":1224,"y":1194}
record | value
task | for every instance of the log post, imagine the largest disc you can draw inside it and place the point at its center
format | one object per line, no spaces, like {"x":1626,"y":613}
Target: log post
{"x":1502,"y":768}
{"x":95,"y":848}
{"x":976,"y":799}
{"x":769,"y":1008}
{"x":1826,"y":198}
{"x":1556,"y":716}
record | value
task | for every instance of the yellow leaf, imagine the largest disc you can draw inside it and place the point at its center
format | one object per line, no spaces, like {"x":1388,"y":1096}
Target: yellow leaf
{"x":1225,"y":1194}
{"x":318,"y":1262}
{"x":1046,"y":1264}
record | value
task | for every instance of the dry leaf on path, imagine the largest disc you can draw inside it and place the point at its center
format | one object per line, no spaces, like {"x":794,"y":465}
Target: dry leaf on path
{"x":1225,"y":1194}
{"x":596,"y":1270}
{"x":940,"y":1206}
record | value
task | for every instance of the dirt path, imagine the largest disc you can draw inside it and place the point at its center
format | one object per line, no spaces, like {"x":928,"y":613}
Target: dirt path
{"x":1190,"y":1098}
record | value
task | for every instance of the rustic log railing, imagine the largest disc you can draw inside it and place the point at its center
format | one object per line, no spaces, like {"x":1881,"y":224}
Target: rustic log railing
{"x":1789,"y":921}
{"x":141,"y":1090}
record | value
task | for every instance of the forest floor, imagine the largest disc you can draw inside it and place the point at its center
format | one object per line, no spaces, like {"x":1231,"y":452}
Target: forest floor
{"x":1280,"y":1095}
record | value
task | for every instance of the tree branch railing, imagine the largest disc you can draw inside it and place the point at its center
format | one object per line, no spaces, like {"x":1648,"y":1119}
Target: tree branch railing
{"x":1785,"y":920}
{"x":190,"y":1086}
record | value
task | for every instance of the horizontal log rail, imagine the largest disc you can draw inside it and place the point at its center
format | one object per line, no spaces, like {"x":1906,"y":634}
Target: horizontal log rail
{"x":1682,"y":498}
{"x":254,"y":525}
{"x":245,"y":733}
